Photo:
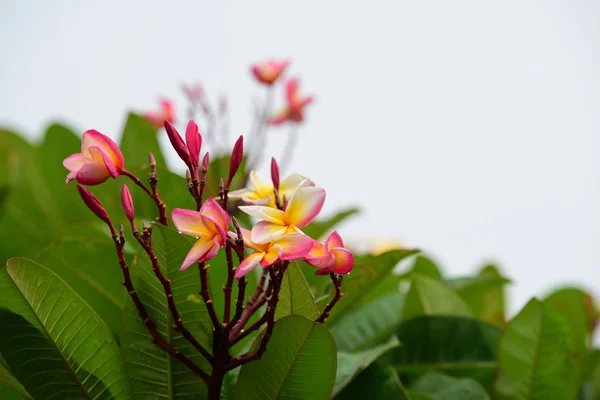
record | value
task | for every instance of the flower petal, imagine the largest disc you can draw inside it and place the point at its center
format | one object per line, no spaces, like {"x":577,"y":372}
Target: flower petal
{"x":343,"y":260}
{"x":215,"y":212}
{"x":202,"y":250}
{"x":191,"y":223}
{"x":280,"y":117}
{"x":238,"y":194}
{"x":265,"y":232}
{"x":248,"y":264}
{"x":92,"y":173}
{"x":304,"y":206}
{"x":293,"y":246}
{"x":288,"y":186}
{"x":74,"y":162}
{"x":194,"y":143}
{"x":272,"y":255}
{"x":98,"y":153}
{"x":333,"y":240}
{"x":247,"y":235}
{"x":94,"y":138}
{"x":259,"y":184}
{"x":264,"y":213}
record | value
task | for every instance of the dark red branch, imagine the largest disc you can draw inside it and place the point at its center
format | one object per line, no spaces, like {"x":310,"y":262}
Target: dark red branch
{"x":337,"y":282}
{"x":203,"y":268}
{"x":229,"y":285}
{"x":162,"y":210}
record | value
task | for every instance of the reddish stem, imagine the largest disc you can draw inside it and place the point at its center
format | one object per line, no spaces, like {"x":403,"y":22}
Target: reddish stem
{"x":162,"y":209}
{"x":203,"y":268}
{"x":337,"y":282}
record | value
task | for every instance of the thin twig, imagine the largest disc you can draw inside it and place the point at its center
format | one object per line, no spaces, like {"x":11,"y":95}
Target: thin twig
{"x":203,"y":268}
{"x":229,"y":284}
{"x":162,"y":209}
{"x":337,"y":282}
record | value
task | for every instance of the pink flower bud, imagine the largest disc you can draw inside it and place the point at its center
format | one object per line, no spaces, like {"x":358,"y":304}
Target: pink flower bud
{"x":127,"y":203}
{"x":236,"y":158}
{"x":151,"y":160}
{"x":93,"y":203}
{"x":194,"y":143}
{"x":178,"y":144}
{"x":205,"y":162}
{"x":275,"y":173}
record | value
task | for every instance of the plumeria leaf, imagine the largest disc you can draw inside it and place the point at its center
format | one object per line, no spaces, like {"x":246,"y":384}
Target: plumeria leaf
{"x":69,"y":350}
{"x":368,"y":272}
{"x":424,"y":266}
{"x":429,"y":297}
{"x":378,"y":381}
{"x":153,"y":372}
{"x":300,"y":363}
{"x":140,"y":138}
{"x":453,"y":345}
{"x":10,"y":387}
{"x":537,"y":356}
{"x":295,"y":297}
{"x":443,"y":387}
{"x":351,"y":364}
{"x":369,"y":324}
{"x":321,"y":227}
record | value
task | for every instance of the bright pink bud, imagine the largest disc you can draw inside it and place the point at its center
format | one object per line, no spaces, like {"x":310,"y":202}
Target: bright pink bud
{"x":269,"y":71}
{"x":93,"y":203}
{"x":236,"y":158}
{"x":275,"y":173}
{"x":165,"y":112}
{"x":194,"y":143}
{"x":205,"y":162}
{"x":127,"y":203}
{"x":178,"y":144}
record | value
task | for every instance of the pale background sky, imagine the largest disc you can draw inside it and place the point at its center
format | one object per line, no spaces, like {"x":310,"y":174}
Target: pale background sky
{"x":465,"y":128}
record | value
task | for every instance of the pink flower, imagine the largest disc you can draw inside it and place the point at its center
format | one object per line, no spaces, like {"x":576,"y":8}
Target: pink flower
{"x":303,"y":207}
{"x":164,"y":113}
{"x":209,"y":225}
{"x":287,"y":247}
{"x":330,"y":256}
{"x":269,"y":71}
{"x":100,"y":158}
{"x":294,"y":110}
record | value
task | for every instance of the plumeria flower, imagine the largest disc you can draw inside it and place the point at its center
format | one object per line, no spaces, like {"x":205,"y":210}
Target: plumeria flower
{"x":100,"y":159}
{"x":302,"y":209}
{"x":287,"y":247}
{"x":294,"y":110}
{"x":262,"y":191}
{"x":164,"y":113}
{"x":331,"y":256}
{"x":269,"y":71}
{"x":209,"y":225}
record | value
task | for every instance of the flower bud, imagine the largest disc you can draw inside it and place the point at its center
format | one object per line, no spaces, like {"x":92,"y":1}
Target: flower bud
{"x":194,"y":143}
{"x":275,"y":173}
{"x":151,"y":160}
{"x":205,"y":162}
{"x":127,"y":203}
{"x":236,"y":158}
{"x":178,"y":144}
{"x":93,"y":204}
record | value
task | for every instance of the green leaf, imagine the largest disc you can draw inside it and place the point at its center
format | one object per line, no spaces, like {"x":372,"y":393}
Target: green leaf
{"x":153,"y":372}
{"x":483,"y":294}
{"x":453,"y":345}
{"x":370,"y":324}
{"x":429,"y":297}
{"x":351,"y":364}
{"x":53,"y":341}
{"x":321,"y":227}
{"x":295,"y":297}
{"x":379,"y":382}
{"x":140,"y":138}
{"x":424,"y":266}
{"x":443,"y":387}
{"x":300,"y":363}
{"x":537,"y":356}
{"x":575,"y":304}
{"x":15,"y":152}
{"x":369,"y":271}
{"x":87,"y":261}
{"x":10,"y":387}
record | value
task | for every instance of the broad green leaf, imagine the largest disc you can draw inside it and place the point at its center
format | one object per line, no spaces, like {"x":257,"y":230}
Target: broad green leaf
{"x":321,"y":227}
{"x":153,"y":372}
{"x":575,"y":305}
{"x":53,"y":341}
{"x":484,"y":294}
{"x":424,"y":266}
{"x":295,"y":297}
{"x":219,"y":169}
{"x":379,"y":382}
{"x":87,"y":261}
{"x":140,"y":138}
{"x":369,"y":271}
{"x":429,"y":297}
{"x":370,"y":324}
{"x":300,"y":363}
{"x":537,"y":356}
{"x":15,"y":152}
{"x":351,"y":364}
{"x":443,"y":387}
{"x":10,"y":387}
{"x":453,"y":345}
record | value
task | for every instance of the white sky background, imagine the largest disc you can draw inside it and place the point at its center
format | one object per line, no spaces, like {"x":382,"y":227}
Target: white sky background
{"x":465,"y":128}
